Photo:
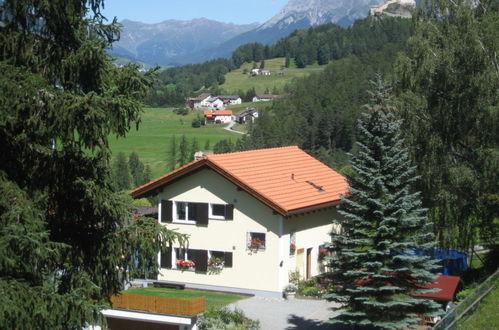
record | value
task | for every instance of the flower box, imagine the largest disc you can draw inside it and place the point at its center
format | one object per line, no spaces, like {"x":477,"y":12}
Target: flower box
{"x":185,"y":264}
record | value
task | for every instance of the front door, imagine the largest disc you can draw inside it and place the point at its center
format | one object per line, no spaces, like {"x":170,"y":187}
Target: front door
{"x":309,"y":263}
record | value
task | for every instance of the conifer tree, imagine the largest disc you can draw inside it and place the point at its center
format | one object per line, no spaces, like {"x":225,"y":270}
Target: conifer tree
{"x":136,"y":169}
{"x":207,"y":145}
{"x":375,"y":270}
{"x":65,"y":242}
{"x":121,"y":172}
{"x":147,"y":174}
{"x":194,"y":148}
{"x":183,"y":151}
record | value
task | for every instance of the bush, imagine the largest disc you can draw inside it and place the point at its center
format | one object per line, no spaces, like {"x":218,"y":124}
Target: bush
{"x":181,"y":111}
{"x":225,"y":319}
{"x":311,"y":291}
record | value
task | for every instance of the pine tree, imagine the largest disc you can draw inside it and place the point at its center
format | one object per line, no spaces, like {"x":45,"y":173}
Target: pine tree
{"x":121,"y":172}
{"x":375,"y":270}
{"x":207,"y":145}
{"x":64,"y":240}
{"x":147,"y":174}
{"x":194,"y":148}
{"x":183,"y":152}
{"x":262,"y":65}
{"x":136,"y":169}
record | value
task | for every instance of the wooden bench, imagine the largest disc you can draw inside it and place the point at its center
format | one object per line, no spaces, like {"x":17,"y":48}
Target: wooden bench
{"x":168,"y":285}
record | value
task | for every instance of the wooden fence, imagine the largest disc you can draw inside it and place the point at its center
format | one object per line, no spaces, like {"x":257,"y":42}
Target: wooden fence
{"x":159,"y":305}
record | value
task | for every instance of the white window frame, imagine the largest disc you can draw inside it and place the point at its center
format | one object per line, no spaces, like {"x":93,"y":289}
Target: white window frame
{"x":250,"y":238}
{"x":175,"y":258}
{"x":216,"y":217}
{"x":175,"y":218}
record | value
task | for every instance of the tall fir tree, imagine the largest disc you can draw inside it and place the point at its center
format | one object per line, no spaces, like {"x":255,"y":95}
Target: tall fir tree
{"x":375,"y":271}
{"x":183,"y":151}
{"x":65,"y":236}
{"x":136,"y":168}
{"x":121,"y":172}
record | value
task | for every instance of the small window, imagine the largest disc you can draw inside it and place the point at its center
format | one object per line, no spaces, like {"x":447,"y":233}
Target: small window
{"x":185,"y":211}
{"x":217,"y":211}
{"x":256,"y":241}
{"x":184,"y":259}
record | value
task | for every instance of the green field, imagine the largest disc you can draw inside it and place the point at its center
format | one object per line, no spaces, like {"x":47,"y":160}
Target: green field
{"x":213,"y":299}
{"x":152,"y":141}
{"x":236,"y":80}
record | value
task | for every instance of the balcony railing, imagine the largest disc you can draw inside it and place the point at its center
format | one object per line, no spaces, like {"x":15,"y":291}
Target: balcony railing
{"x":159,"y":305}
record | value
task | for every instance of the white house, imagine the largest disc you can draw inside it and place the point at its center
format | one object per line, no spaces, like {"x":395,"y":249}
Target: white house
{"x":252,"y":218}
{"x":247,"y":115}
{"x":217,"y":116}
{"x":230,"y":99}
{"x":265,"y":97}
{"x":213,"y":102}
{"x":198,"y":103}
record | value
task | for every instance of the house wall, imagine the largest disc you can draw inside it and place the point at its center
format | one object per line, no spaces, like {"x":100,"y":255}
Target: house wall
{"x":252,"y":269}
{"x":311,"y":231}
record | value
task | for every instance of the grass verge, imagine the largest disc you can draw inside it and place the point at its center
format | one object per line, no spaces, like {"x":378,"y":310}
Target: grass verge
{"x":486,"y":315}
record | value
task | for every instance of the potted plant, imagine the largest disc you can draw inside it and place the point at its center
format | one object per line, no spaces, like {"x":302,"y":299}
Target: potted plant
{"x":290,"y":291}
{"x":215,"y":265}
{"x":186,"y":264}
{"x":257,"y":243}
{"x":292,"y":248}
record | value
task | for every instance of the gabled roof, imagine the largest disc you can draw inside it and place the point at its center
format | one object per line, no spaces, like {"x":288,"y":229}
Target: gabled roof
{"x":201,"y":97}
{"x":268,"y":96}
{"x":211,"y":113}
{"x":447,"y":285}
{"x":286,"y":179}
{"x":228,"y":97}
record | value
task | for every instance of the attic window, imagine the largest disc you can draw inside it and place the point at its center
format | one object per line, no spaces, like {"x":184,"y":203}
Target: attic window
{"x":319,"y":188}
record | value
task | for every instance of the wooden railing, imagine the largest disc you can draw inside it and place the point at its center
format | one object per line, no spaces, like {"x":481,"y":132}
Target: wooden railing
{"x":159,"y":305}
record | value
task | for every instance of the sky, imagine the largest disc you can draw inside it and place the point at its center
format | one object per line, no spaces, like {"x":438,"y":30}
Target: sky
{"x":227,"y":11}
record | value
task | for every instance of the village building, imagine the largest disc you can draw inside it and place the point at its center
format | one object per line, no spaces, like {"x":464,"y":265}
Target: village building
{"x":247,"y":115}
{"x":265,"y":97}
{"x":252,"y":218}
{"x":217,"y":116}
{"x":230,"y":99}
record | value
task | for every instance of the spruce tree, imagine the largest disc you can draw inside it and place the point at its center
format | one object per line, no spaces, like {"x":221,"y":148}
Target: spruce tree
{"x":121,"y":172}
{"x":64,"y":240}
{"x":183,"y":152}
{"x":375,"y":271}
{"x":136,"y":169}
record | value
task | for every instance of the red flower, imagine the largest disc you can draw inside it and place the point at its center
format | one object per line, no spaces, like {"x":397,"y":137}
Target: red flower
{"x":292,"y":246}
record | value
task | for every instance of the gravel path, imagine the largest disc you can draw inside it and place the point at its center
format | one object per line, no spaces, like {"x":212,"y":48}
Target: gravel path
{"x":275,"y":314}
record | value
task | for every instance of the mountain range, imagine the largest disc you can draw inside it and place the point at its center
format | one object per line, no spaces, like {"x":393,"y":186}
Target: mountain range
{"x":176,"y":42}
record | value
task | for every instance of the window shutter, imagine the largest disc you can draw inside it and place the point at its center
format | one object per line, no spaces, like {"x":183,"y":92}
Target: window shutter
{"x":228,"y":259}
{"x":166,"y":258}
{"x":202,"y":213}
{"x":201,"y":260}
{"x":229,"y":212}
{"x":166,"y":211}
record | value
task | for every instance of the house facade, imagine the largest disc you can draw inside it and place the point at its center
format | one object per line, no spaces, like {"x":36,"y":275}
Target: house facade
{"x":252,"y":218}
{"x":230,"y":99}
{"x":217,"y":116}
{"x":247,"y":115}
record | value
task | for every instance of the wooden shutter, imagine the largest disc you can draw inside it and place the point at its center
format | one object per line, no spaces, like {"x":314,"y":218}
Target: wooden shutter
{"x":166,"y":211}
{"x":228,"y":259}
{"x":202,"y":213}
{"x":229,"y":212}
{"x":166,"y":258}
{"x":201,"y":260}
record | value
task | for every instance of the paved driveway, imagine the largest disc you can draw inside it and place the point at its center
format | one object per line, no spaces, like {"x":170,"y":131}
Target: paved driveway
{"x":275,"y":314}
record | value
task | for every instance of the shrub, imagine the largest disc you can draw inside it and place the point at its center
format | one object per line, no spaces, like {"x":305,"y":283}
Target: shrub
{"x":224,"y":319}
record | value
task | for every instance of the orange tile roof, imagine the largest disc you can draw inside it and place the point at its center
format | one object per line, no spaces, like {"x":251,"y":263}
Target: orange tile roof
{"x":286,"y":179}
{"x":210,"y":113}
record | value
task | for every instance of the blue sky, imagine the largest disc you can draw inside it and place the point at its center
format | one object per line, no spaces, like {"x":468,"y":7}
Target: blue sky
{"x":228,"y":11}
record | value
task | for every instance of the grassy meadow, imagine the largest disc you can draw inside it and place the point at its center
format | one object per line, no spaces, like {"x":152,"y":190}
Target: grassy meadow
{"x":152,"y":140}
{"x":236,"y":80}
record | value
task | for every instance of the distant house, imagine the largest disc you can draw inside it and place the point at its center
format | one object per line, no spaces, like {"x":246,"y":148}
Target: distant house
{"x":253,"y":216}
{"x":230,"y":99}
{"x":214,"y":103}
{"x":217,"y":116}
{"x":259,"y":72}
{"x":199,"y":102}
{"x":265,"y":97}
{"x":247,"y":115}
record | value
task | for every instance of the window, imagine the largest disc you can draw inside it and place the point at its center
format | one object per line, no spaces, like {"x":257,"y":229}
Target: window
{"x":256,"y":241}
{"x":217,"y":211}
{"x":184,"y":259}
{"x":185,"y":212}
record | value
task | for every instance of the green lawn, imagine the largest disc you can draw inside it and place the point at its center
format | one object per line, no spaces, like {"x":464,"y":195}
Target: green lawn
{"x":213,"y":299}
{"x":236,"y":80}
{"x":158,"y":126}
{"x":487,"y":314}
